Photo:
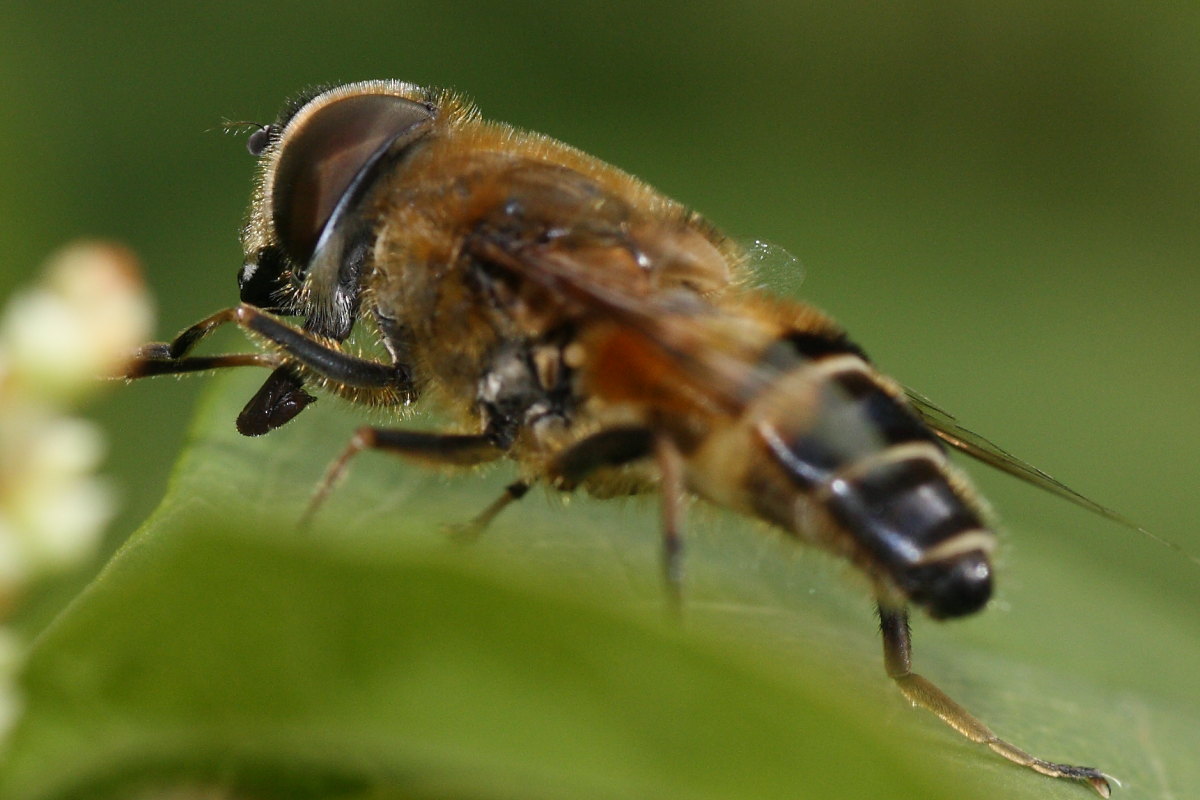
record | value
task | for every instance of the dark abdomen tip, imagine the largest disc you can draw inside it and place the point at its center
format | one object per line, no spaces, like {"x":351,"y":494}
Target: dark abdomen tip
{"x":952,"y":588}
{"x":919,"y":531}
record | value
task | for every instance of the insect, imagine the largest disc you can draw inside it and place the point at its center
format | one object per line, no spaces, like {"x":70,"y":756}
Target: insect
{"x":600,"y":335}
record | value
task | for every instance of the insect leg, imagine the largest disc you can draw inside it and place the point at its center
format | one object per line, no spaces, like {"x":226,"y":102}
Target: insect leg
{"x":169,"y":358}
{"x":616,"y":446}
{"x":469,"y":531}
{"x":671,"y":491}
{"x":897,"y":657}
{"x":607,"y":448}
{"x":454,"y":449}
{"x":611,"y":447}
{"x":147,"y":362}
{"x":345,"y":372}
{"x":277,"y":402}
{"x":282,"y":396}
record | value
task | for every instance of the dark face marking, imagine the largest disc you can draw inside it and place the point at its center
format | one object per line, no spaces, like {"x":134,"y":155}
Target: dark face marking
{"x":263,"y":280}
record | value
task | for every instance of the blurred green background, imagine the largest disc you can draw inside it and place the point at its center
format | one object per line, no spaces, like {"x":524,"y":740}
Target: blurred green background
{"x":1000,"y":201}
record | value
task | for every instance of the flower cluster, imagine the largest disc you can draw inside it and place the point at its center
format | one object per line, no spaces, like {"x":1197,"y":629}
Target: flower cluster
{"x":78,"y":324}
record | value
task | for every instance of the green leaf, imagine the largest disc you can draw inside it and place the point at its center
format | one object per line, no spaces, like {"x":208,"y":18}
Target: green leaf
{"x":372,"y":657}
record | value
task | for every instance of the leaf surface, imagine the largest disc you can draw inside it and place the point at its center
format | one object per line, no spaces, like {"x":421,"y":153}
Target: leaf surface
{"x":372,"y":657}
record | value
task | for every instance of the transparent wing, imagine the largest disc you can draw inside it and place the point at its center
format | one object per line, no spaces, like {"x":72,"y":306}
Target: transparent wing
{"x":773,"y":268}
{"x":946,"y":426}
{"x":948,"y":429}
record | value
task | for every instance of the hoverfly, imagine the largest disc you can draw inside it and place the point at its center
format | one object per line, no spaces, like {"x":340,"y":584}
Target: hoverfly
{"x":600,"y":335}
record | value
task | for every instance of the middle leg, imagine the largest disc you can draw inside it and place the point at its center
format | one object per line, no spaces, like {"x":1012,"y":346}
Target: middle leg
{"x":622,"y":445}
{"x":609,"y":448}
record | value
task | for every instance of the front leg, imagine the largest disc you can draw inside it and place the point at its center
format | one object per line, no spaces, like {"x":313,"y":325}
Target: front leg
{"x":277,"y":402}
{"x":296,"y":351}
{"x":897,"y":657}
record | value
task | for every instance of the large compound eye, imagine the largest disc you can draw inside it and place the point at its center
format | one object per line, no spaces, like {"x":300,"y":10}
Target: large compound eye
{"x":331,"y":159}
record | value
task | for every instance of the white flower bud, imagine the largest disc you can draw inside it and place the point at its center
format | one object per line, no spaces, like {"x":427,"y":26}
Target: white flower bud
{"x":81,"y":323}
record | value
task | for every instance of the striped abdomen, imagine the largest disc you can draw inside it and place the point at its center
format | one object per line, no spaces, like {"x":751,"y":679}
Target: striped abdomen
{"x":831,"y":454}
